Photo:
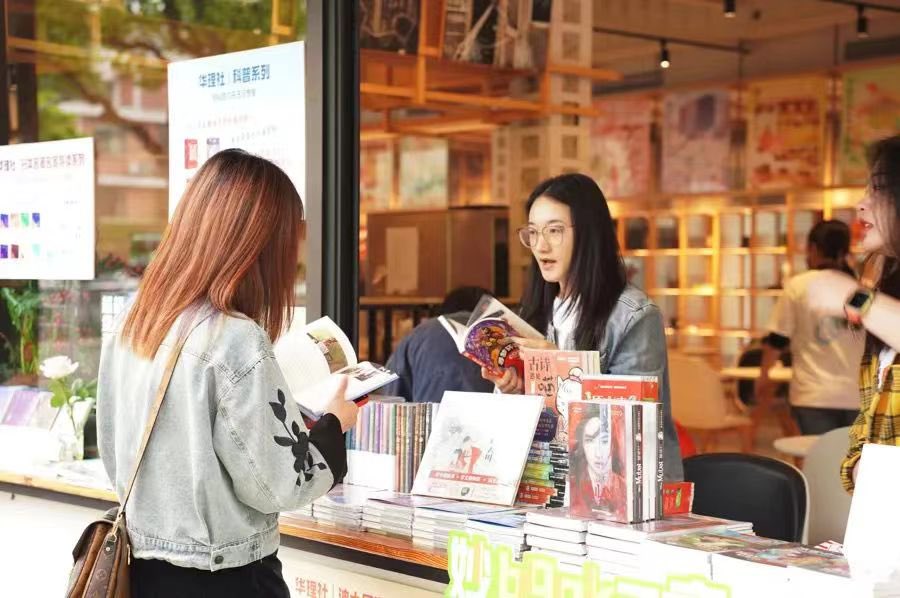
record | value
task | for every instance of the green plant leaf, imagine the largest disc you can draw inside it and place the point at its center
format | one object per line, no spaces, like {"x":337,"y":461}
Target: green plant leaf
{"x":57,"y":401}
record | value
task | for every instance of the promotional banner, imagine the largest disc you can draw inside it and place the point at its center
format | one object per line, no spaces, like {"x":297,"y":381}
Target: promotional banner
{"x":47,"y":210}
{"x":620,"y":147}
{"x":871,"y":112}
{"x":254,"y":100}
{"x":696,"y":142}
{"x":786,"y":133}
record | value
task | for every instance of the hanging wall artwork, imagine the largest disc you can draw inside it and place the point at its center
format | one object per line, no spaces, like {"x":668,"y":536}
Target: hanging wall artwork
{"x":424,"y":163}
{"x":871,"y":112}
{"x":696,"y":141}
{"x":786,"y":133}
{"x":621,"y":156}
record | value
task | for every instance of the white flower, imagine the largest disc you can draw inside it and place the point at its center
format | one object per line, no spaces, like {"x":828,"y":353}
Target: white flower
{"x":58,"y":367}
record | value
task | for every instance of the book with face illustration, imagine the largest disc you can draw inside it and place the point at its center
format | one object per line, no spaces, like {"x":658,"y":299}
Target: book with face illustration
{"x":485,"y":337}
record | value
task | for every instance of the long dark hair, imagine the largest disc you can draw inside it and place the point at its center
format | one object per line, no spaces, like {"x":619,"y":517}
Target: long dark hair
{"x":884,"y":177}
{"x":597,"y":274}
{"x":832,"y":241}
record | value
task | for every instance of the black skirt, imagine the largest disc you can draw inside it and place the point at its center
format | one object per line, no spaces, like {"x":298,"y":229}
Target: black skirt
{"x":159,"y":579}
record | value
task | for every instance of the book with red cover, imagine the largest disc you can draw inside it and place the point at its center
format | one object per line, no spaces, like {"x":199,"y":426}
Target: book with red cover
{"x":556,"y":376}
{"x":678,"y":498}
{"x":602,"y":469}
{"x":627,"y":388}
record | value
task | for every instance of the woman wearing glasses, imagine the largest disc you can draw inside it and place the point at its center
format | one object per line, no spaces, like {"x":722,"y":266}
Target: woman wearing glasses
{"x":579,"y":295}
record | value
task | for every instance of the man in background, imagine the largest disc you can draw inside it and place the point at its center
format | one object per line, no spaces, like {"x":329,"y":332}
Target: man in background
{"x":427,"y":360}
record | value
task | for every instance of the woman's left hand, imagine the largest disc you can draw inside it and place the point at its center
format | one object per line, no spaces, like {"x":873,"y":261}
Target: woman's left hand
{"x":828,"y":292}
{"x":533,"y":343}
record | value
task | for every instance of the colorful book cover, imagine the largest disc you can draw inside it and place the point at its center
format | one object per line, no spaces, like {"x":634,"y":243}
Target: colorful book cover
{"x":556,"y":376}
{"x":871,"y":112}
{"x":720,"y":541}
{"x":677,"y":524}
{"x":469,"y":456}
{"x":620,"y":388}
{"x":601,"y":473}
{"x":678,"y":498}
{"x":786,"y":133}
{"x":696,"y":142}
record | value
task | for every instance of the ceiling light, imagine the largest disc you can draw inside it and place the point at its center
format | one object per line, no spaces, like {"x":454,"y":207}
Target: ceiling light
{"x":664,"y":61}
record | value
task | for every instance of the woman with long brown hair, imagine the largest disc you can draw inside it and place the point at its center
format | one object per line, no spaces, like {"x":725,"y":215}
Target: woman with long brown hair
{"x":230,"y":449}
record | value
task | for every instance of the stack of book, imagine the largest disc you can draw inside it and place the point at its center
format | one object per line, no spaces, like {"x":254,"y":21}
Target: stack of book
{"x":813,"y":572}
{"x":536,"y":487}
{"x":556,"y":376}
{"x":432,"y":524}
{"x":617,"y":546}
{"x":505,"y":528}
{"x":342,"y":507}
{"x":399,"y":429}
{"x":391,"y":513}
{"x":691,"y":554}
{"x":557,"y":533}
{"x":304,"y":513}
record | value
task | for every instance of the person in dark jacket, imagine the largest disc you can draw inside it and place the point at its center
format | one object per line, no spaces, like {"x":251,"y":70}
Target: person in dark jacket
{"x":427,"y":360}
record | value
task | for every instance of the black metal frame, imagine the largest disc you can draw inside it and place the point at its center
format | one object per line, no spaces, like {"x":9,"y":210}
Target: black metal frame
{"x":4,"y":75}
{"x":332,"y":113}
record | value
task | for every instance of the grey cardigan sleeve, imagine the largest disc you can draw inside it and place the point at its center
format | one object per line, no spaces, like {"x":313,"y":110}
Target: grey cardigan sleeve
{"x":274,"y":461}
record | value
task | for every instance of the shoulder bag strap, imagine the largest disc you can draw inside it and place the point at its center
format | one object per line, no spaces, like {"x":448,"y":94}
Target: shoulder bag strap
{"x":154,"y":412}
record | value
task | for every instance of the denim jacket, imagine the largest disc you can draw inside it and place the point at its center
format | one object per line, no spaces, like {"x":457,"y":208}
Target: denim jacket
{"x":229,"y":451}
{"x":634,"y":344}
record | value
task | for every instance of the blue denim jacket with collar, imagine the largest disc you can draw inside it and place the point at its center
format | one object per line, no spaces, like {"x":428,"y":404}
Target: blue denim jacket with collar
{"x":229,"y":451}
{"x":634,"y":344}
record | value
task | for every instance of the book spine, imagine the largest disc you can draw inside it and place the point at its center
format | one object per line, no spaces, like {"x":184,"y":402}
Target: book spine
{"x":648,"y":458}
{"x":402,"y":449}
{"x":660,"y":460}
{"x":410,"y":423}
{"x":395,"y":451}
{"x":638,"y":484}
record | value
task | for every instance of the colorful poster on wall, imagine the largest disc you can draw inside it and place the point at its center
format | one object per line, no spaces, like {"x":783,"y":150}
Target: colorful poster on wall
{"x":871,"y":112}
{"x":786,"y":133}
{"x":376,"y":175}
{"x":696,"y":142}
{"x":621,"y":156}
{"x":424,"y":164}
{"x":47,"y":210}
{"x":253,"y":100}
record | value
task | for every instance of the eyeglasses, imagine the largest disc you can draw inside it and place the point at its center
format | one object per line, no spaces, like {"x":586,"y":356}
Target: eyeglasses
{"x":552,"y":233}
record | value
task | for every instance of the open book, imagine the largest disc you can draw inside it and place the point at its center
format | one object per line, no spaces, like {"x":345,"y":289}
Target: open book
{"x":311,"y":356}
{"x":483,"y":338}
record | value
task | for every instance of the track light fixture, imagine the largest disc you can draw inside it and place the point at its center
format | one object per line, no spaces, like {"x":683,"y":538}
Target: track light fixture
{"x":664,"y":61}
{"x":730,"y":8}
{"x":862,"y":21}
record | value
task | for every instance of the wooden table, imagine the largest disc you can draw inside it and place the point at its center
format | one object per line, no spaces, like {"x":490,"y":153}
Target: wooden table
{"x":379,"y":565}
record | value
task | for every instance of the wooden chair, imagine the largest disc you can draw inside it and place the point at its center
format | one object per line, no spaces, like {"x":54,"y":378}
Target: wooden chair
{"x":699,"y":403}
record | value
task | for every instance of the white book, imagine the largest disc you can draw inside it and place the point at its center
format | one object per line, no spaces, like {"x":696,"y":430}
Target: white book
{"x":563,"y":557}
{"x":611,"y":557}
{"x":557,"y":545}
{"x":469,"y":456}
{"x":563,"y":535}
{"x":560,"y":518}
{"x":626,"y":546}
{"x":311,"y":356}
{"x":673,"y":525}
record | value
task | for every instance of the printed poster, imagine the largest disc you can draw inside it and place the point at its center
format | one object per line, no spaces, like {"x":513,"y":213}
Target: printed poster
{"x":871,"y":112}
{"x":478,"y":447}
{"x":786,"y":133}
{"x":424,"y":172}
{"x":621,"y":156}
{"x":254,"y":100}
{"x":696,"y":142}
{"x":47,"y":210}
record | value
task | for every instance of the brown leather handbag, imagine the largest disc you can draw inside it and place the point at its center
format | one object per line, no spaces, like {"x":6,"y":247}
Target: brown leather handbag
{"x":103,"y":553}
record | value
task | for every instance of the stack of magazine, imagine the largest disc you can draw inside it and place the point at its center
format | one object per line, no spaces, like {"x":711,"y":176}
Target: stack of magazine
{"x":342,"y":507}
{"x":506,"y":528}
{"x":432,"y":524}
{"x":391,"y":513}
{"x":558,"y":533}
{"x":617,"y":546}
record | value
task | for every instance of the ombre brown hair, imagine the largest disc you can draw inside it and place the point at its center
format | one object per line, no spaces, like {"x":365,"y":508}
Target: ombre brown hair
{"x":233,"y":241}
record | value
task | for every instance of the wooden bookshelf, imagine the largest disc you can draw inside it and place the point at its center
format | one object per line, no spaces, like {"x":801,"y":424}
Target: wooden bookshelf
{"x":715,"y":263}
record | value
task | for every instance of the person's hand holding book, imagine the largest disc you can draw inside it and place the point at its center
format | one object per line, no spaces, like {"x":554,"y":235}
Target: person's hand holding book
{"x":510,"y":383}
{"x":346,"y":411}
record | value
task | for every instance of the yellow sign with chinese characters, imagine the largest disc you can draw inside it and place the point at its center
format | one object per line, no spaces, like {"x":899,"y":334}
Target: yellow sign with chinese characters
{"x":479,"y":569}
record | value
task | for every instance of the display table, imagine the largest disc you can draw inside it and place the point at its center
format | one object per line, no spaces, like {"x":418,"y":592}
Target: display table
{"x":42,"y":516}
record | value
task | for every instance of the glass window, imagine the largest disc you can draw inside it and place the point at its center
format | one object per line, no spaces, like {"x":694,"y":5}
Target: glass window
{"x":92,"y":69}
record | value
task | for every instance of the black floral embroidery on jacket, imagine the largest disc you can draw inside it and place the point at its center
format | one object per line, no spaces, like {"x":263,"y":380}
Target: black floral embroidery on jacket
{"x":297,"y":440}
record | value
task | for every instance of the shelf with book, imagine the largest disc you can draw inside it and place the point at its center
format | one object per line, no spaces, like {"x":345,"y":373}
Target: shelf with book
{"x":719,"y":259}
